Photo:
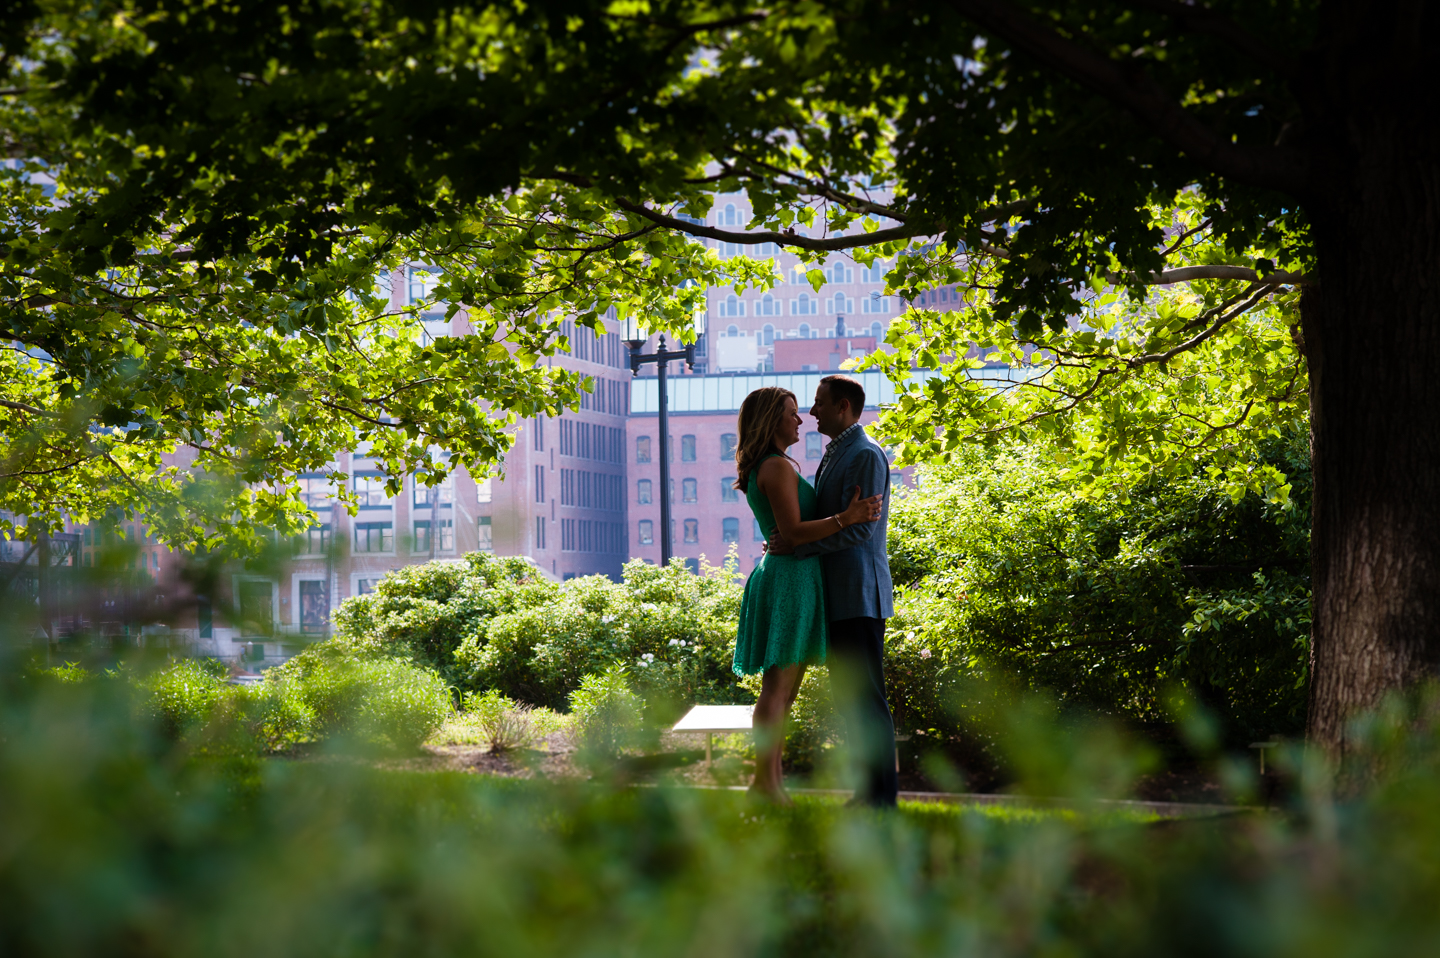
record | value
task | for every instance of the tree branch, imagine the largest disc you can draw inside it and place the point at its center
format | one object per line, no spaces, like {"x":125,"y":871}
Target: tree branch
{"x":1189,"y":344}
{"x":21,"y":407}
{"x":1132,"y":89}
{"x":1185,"y":274}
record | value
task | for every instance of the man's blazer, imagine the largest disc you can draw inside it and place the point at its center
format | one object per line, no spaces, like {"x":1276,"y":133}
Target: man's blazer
{"x":857,"y":570}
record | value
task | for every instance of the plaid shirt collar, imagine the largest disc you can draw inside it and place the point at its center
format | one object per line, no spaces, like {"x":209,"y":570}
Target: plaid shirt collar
{"x":830,"y":449}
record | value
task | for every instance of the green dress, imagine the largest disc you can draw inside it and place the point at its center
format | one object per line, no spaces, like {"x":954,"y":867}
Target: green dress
{"x":782,"y":615}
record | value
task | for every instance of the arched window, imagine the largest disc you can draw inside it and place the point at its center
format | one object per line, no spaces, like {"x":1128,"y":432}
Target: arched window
{"x":729,"y":215}
{"x":732,"y":307}
{"x":768,"y":333}
{"x":804,"y":330}
{"x":805,"y":306}
{"x":876,"y":331}
{"x":732,"y":329}
{"x":768,"y":306}
{"x":839,"y":302}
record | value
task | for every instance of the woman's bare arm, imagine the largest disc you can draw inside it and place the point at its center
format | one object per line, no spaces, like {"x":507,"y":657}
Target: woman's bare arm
{"x":781,"y":485}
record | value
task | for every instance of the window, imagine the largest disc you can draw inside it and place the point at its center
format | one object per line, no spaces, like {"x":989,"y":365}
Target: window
{"x":728,"y":492}
{"x":768,"y":334}
{"x":727,"y":447}
{"x":374,"y":537}
{"x":370,"y":490}
{"x":688,"y":490}
{"x":804,"y":330}
{"x":767,"y":306}
{"x":366,"y":586}
{"x":257,"y":607}
{"x":314,"y":606}
{"x":539,"y":483}
{"x":692,"y":531}
{"x":421,"y":280}
{"x":730,"y":250}
{"x":758,"y":532}
{"x":423,"y":541}
{"x":728,"y":216}
{"x":730,"y":529}
{"x":485,"y":540}
{"x":642,"y":448}
{"x":805,"y":306}
{"x":442,"y":494}
{"x":314,"y":490}
{"x":897,"y":478}
{"x":732,"y":331}
{"x":313,"y":541}
{"x":647,"y":532}
{"x":482,"y":489}
{"x":732,"y":305}
{"x":814,"y":445}
{"x":840,"y":303}
{"x":876,"y":331}
{"x":692,"y":566}
{"x":539,"y":534}
{"x":539,"y":438}
{"x":687,"y":448}
{"x":642,"y":492}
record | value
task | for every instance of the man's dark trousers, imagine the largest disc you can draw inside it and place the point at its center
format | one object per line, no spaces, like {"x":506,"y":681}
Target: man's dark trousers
{"x":857,"y":679}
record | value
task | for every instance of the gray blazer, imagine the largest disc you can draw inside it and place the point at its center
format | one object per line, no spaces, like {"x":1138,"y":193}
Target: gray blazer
{"x":857,"y":571}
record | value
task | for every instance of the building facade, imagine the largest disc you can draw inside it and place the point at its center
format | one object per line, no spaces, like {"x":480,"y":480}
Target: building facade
{"x":710,"y":516}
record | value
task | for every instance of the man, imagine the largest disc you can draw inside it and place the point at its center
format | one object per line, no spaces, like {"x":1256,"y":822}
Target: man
{"x":858,"y":592}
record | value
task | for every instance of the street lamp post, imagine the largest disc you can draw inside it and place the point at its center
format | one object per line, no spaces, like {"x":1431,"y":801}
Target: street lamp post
{"x":662,"y":359}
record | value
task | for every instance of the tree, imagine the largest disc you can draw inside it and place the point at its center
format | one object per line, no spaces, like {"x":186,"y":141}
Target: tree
{"x":184,"y":339}
{"x":1042,"y":136}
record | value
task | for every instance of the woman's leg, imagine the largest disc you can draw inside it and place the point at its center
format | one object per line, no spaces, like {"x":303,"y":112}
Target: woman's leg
{"x":778,"y":688}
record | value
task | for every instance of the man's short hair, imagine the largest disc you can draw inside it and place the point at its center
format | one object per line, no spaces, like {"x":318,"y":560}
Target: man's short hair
{"x":848,"y":389}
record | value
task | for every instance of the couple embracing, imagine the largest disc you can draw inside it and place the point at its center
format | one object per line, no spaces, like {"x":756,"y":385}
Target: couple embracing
{"x":822,"y":591}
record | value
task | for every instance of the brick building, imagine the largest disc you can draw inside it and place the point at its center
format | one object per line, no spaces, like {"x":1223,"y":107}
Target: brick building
{"x":709,"y":515}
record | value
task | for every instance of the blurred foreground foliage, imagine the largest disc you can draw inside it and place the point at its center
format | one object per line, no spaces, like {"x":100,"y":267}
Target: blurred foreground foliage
{"x":118,"y":837}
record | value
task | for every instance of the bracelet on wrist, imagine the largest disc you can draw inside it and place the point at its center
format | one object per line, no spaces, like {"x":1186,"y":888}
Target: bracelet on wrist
{"x":838,"y":522}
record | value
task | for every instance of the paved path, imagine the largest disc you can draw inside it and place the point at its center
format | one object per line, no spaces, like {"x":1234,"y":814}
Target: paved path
{"x":1163,"y":809}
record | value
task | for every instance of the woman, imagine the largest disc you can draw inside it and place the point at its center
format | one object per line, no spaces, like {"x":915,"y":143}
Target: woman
{"x":782,"y":616}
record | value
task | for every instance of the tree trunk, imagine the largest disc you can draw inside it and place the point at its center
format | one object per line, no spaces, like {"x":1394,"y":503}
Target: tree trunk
{"x":1372,"y":340}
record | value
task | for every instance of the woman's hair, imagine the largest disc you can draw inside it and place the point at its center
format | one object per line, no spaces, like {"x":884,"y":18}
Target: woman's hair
{"x":761,"y":414}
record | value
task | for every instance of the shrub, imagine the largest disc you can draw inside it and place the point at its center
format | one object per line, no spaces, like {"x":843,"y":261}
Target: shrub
{"x":1106,"y":599}
{"x":606,"y":713}
{"x":182,"y":697}
{"x":425,"y":612}
{"x":674,"y":630}
{"x":384,"y":702}
{"x":505,"y":724}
